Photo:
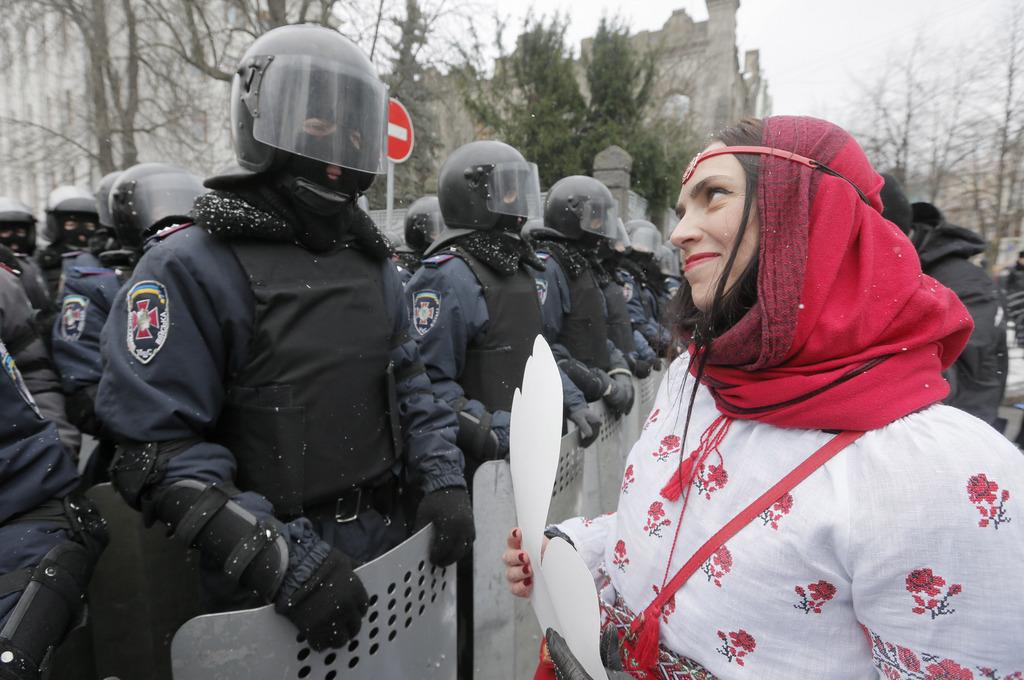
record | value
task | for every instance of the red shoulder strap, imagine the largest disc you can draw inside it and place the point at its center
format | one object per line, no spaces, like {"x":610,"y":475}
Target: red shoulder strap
{"x":763,"y":502}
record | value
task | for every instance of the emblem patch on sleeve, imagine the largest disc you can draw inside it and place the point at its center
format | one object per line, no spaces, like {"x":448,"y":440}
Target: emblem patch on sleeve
{"x":426,"y":308}
{"x":148,"y":319}
{"x":627,"y":291}
{"x":11,"y":369}
{"x":72,"y":317}
{"x":542,"y":290}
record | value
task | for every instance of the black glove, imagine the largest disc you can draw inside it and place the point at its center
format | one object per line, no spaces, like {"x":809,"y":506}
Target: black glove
{"x":477,"y":439}
{"x":641,"y":368}
{"x":568,"y":667}
{"x":588,"y":426}
{"x":620,"y":398}
{"x":329,"y":607}
{"x":592,"y":382}
{"x":452,"y":514}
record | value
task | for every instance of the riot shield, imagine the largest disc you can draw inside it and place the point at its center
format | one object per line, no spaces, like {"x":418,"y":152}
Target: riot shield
{"x":408,"y":632}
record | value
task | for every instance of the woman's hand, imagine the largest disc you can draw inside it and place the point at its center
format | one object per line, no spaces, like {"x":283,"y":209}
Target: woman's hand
{"x":519,"y":571}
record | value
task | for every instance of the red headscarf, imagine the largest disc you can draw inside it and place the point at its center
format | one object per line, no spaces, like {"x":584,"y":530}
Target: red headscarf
{"x":847,"y":333}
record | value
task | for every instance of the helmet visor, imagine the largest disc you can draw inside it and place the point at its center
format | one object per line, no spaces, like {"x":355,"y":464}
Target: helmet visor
{"x":321,"y":109}
{"x":514,"y":189}
{"x":600,"y":216}
{"x":621,"y":241}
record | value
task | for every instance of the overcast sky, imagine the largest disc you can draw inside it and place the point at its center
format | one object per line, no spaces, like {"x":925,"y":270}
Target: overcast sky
{"x":813,"y":51}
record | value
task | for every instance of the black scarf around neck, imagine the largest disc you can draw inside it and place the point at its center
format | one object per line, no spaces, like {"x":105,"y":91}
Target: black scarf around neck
{"x":259,"y":212}
{"x":499,"y":251}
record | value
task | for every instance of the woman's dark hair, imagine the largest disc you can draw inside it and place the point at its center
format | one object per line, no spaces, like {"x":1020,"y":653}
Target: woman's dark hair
{"x":689,"y":324}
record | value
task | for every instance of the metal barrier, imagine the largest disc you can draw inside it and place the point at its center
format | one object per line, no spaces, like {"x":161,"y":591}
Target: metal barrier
{"x":506,"y":638}
{"x":408,"y":632}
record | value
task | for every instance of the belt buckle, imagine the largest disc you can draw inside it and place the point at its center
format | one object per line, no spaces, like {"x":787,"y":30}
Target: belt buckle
{"x":340,"y":515}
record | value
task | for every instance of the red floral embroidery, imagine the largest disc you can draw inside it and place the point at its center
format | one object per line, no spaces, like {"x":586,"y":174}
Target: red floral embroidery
{"x":814,"y":597}
{"x":779,"y":509}
{"x":718,"y":565}
{"x":923,"y":582}
{"x":736,"y":645}
{"x":670,"y":444}
{"x":670,"y":607}
{"x":983,"y":494}
{"x":653,"y":418}
{"x":656,"y":519}
{"x":899,"y":663}
{"x":627,"y":479}
{"x":710,"y":478}
{"x":620,"y":560}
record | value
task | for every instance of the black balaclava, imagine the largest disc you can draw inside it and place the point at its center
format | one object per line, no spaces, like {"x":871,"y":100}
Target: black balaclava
{"x":316,"y":201}
{"x":16,"y":236}
{"x":81,"y":236}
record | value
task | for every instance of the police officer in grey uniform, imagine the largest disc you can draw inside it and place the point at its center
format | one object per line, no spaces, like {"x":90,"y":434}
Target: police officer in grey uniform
{"x":269,"y":404}
{"x":475,"y":305}
{"x":579,"y":214}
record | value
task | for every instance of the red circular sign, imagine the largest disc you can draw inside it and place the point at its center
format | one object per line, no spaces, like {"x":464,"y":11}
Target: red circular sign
{"x":399,"y":132}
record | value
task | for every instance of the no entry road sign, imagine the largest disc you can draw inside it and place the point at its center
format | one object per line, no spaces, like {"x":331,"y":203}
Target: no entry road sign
{"x":400,"y":136}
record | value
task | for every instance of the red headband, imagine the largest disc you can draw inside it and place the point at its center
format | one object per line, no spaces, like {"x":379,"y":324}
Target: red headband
{"x":767,"y":151}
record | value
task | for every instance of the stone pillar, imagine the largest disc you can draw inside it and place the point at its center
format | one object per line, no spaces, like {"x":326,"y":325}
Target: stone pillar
{"x":612,"y":167}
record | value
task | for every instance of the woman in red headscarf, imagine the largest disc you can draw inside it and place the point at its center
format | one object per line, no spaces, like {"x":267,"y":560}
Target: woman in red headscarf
{"x":800,"y":505}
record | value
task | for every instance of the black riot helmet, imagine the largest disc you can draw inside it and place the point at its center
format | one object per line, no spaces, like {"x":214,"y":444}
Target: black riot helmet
{"x":17,"y":226}
{"x":150,"y":196}
{"x":579,"y":205}
{"x":423,"y":223}
{"x":667,"y":258}
{"x":103,"y":198}
{"x":71,"y":217}
{"x":488,"y":185}
{"x":644,"y":237}
{"x":308,"y":91}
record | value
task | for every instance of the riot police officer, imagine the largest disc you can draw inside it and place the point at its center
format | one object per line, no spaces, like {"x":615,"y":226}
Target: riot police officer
{"x":643,"y":283}
{"x":51,"y":539}
{"x":423,"y":224}
{"x":269,"y":403}
{"x":142,"y":200}
{"x":18,"y":234}
{"x":475,"y":306}
{"x":72,"y":226}
{"x":667,"y":258}
{"x":579,"y":214}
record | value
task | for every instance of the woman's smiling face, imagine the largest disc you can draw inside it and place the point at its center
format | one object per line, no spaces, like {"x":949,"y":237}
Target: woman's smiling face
{"x":710,"y":209}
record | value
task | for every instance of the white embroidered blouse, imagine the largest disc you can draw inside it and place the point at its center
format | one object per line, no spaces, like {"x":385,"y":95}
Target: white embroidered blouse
{"x":902,"y":557}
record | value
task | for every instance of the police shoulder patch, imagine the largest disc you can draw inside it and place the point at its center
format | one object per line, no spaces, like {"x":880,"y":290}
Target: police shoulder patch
{"x":11,"y":369}
{"x":148,"y":319}
{"x":426,"y":308}
{"x":627,"y":291}
{"x":72,"y":317}
{"x":542,"y":288}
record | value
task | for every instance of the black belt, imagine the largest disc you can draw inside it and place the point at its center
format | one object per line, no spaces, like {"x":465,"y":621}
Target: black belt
{"x":347,"y":507}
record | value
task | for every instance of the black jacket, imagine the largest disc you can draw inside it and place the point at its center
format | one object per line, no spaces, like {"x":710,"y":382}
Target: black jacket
{"x":978,"y":378}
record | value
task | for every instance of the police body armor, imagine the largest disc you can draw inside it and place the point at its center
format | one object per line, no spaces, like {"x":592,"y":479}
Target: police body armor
{"x":585,"y":330}
{"x":312,"y":413}
{"x":620,"y":330}
{"x":495,"y":362}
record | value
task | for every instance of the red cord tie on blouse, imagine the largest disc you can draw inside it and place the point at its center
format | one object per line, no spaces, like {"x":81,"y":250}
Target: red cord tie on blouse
{"x":642,"y":639}
{"x":710,"y":440}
